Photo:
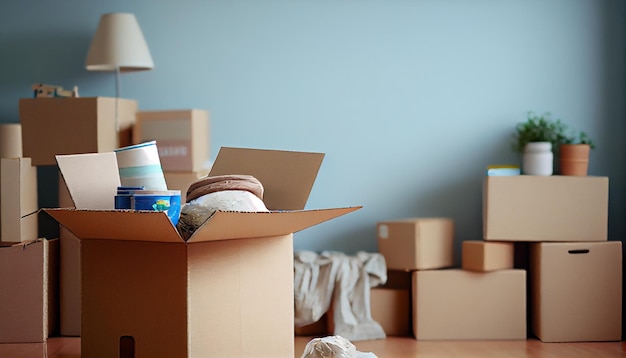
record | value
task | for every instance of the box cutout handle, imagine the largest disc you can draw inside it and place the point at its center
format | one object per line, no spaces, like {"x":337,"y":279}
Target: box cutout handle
{"x":579,"y":251}
{"x":127,"y":347}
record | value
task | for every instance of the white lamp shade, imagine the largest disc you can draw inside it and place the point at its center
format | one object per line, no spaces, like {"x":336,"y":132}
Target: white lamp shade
{"x":118,"y":44}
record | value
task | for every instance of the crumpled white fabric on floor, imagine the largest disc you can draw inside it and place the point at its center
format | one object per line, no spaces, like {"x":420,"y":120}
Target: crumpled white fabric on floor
{"x":334,"y":280}
{"x":333,"y":347}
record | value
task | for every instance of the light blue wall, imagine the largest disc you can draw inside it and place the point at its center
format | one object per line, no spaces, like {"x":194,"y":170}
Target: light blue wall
{"x":410,"y":100}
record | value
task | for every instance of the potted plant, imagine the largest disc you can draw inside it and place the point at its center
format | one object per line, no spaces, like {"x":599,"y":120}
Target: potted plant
{"x":574,"y":154}
{"x":535,"y":139}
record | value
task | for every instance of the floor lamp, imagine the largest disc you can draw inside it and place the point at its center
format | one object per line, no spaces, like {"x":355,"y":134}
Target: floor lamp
{"x":118,"y":45}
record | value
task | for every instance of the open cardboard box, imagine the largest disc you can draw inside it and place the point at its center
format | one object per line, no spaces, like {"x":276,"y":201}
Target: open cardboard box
{"x":227,"y":291}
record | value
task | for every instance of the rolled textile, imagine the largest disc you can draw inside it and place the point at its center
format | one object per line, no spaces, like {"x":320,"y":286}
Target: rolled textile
{"x":212,"y":184}
{"x":225,"y":192}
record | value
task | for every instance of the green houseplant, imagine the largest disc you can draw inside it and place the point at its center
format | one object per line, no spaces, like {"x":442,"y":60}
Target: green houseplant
{"x":540,"y":134}
{"x":535,"y":139}
{"x":538,"y":128}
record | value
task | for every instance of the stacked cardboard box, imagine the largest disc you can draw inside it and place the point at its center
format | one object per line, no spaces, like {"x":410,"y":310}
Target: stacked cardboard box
{"x":183,"y":141}
{"x":48,"y":126}
{"x":448,"y":303}
{"x":28,"y":265}
{"x":545,"y":243}
{"x":575,"y":274}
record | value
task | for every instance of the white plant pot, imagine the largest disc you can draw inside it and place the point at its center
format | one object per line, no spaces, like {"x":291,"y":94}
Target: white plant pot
{"x":538,"y":159}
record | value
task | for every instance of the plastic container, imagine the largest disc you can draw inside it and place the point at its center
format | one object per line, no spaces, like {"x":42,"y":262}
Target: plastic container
{"x":158,"y":200}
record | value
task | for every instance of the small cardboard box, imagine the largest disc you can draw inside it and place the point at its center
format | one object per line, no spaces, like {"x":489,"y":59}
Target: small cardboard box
{"x":18,"y":189}
{"x":417,"y":243}
{"x":217,"y":293}
{"x":458,"y":304}
{"x":391,"y":308}
{"x":52,"y":126}
{"x":545,"y":208}
{"x":182,"y":137}
{"x":28,"y":291}
{"x":576,"y":291}
{"x":182,"y":180}
{"x":487,"y":256}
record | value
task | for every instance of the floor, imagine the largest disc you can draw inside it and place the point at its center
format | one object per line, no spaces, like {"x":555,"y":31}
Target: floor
{"x":392,"y":347}
{"x":396,"y":347}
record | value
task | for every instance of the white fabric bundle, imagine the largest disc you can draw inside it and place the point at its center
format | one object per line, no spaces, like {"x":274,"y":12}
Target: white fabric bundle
{"x":333,"y":347}
{"x":199,"y":210}
{"x":230,"y":200}
{"x":333,"y":278}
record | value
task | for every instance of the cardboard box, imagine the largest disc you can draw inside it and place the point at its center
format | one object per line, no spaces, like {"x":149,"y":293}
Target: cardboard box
{"x":545,"y":208}
{"x":69,"y":284}
{"x":315,"y":329}
{"x":458,"y":304}
{"x":182,"y":137}
{"x":28,"y":294}
{"x":50,"y":126}
{"x":487,"y":256}
{"x":30,"y":350}
{"x":417,"y":243}
{"x":69,"y":272}
{"x":213,"y":295}
{"x":576,"y":291}
{"x":182,"y":180}
{"x":391,"y":308}
{"x":18,"y":207}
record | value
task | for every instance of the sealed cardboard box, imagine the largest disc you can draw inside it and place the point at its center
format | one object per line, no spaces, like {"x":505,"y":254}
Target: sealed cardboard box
{"x":182,"y":137}
{"x":391,"y":308}
{"x":545,"y":208}
{"x":399,"y":280}
{"x":487,"y":256}
{"x":457,"y":304}
{"x":50,"y":126}
{"x":576,"y":291}
{"x":182,"y":180}
{"x":216,"y":294}
{"x":28,"y":294}
{"x":18,"y":207}
{"x":315,"y":329}
{"x":417,"y":243}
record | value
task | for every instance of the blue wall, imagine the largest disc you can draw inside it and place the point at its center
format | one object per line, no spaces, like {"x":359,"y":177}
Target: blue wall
{"x":410,"y":100}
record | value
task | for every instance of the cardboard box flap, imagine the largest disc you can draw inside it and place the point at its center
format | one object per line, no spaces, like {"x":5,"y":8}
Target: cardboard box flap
{"x":117,"y":224}
{"x":224,"y":225}
{"x":92,"y":179}
{"x":287,"y":176}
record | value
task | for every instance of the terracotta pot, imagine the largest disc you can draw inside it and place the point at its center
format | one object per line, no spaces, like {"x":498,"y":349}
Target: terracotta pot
{"x":574,"y":159}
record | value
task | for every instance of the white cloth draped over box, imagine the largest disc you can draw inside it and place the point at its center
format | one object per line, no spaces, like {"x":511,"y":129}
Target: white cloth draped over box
{"x":341,"y":282}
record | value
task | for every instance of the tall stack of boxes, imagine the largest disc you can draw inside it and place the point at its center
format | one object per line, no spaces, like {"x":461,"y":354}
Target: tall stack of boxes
{"x":575,"y":274}
{"x":544,"y":267}
{"x":449,"y":303}
{"x":53,"y":126}
{"x":28,"y":266}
